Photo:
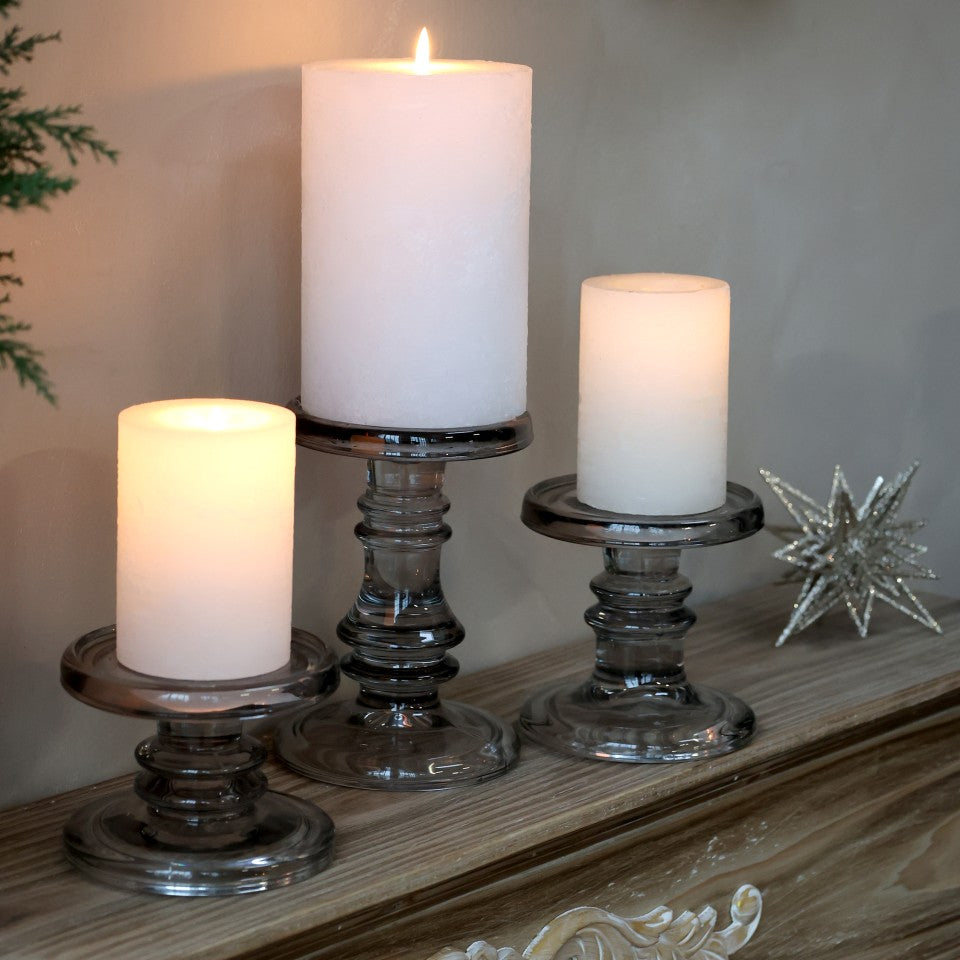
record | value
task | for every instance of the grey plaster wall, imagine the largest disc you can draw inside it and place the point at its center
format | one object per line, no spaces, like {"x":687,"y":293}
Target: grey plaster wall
{"x":805,"y":151}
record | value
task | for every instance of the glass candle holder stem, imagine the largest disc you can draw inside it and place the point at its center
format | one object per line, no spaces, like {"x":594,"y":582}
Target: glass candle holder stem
{"x":400,"y":626}
{"x":640,"y":619}
{"x":397,"y":733}
{"x":200,"y":778}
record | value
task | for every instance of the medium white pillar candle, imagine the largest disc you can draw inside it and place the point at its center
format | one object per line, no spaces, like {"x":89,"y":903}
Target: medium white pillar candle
{"x":416,"y":196}
{"x":205,"y":538}
{"x":652,"y":434}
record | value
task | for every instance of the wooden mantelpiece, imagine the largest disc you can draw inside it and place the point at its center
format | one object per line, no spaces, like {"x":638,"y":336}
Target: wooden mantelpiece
{"x":845,"y":812}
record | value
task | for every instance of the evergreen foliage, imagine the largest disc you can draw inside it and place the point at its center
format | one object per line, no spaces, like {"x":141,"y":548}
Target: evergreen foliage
{"x":27,"y":179}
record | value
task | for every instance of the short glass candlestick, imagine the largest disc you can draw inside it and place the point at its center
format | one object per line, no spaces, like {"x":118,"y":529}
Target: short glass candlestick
{"x":398,"y":734}
{"x":638,"y":706}
{"x":200,"y":820}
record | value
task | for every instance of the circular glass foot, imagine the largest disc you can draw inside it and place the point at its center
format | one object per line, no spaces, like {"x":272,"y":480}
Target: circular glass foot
{"x":637,"y":725}
{"x":353,"y":745}
{"x":118,"y":840}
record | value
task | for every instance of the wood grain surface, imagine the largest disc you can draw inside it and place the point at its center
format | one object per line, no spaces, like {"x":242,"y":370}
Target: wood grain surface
{"x":857,"y":856}
{"x":828,"y":700}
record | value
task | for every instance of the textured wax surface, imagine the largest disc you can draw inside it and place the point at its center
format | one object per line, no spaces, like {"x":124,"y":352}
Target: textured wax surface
{"x":416,"y":195}
{"x":204,"y":541}
{"x":652,"y":433}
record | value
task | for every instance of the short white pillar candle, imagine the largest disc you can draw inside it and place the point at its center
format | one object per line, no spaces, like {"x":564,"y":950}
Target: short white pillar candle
{"x":652,"y":433}
{"x":416,"y":196}
{"x":205,"y":538}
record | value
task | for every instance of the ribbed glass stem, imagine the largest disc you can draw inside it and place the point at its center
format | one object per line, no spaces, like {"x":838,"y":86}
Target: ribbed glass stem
{"x":640,"y":619}
{"x":400,"y":625}
{"x":198,"y":775}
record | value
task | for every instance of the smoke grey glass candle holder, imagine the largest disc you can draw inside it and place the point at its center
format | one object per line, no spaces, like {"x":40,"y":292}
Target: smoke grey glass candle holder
{"x":638,"y":706}
{"x":397,"y":734}
{"x":200,"y":820}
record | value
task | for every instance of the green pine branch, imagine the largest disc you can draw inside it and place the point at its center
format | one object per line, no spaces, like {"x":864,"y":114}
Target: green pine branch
{"x":15,"y":353}
{"x":14,"y":46}
{"x":30,"y":127}
{"x":23,"y":358}
{"x":32,"y":188}
{"x":28,"y":179}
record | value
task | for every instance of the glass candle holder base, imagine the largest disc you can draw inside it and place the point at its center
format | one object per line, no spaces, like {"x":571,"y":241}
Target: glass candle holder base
{"x":381,"y":748}
{"x":199,"y":820}
{"x":117,"y":840}
{"x":638,"y":706}
{"x":398,"y":734}
{"x":637,"y":725}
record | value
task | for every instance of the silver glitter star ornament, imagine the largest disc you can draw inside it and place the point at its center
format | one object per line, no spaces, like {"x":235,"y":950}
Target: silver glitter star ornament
{"x":852,"y":556}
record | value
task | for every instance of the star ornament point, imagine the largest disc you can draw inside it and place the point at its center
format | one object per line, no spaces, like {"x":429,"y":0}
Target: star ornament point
{"x":851,"y":555}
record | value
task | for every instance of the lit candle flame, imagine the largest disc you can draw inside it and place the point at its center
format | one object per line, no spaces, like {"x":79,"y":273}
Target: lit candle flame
{"x":421,"y":62}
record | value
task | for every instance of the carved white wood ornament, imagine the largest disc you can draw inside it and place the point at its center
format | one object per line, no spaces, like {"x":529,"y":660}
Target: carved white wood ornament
{"x":588,"y":933}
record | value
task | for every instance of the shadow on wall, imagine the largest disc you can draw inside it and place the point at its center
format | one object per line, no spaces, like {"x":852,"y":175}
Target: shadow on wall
{"x":57,"y":568}
{"x":854,"y":410}
{"x":219,"y":164}
{"x":876,"y":421}
{"x":935,"y":400}
{"x":933,"y":415}
{"x":63,"y":542}
{"x":328,"y":560}
{"x":847,"y":409}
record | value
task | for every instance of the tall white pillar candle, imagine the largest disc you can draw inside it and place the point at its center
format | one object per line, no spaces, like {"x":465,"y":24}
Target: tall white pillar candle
{"x":652,"y":433}
{"x":416,"y":195}
{"x":205,"y":538}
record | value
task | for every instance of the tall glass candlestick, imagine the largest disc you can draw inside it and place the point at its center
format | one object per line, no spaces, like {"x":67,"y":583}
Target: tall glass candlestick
{"x":398,"y":734}
{"x":415,"y":227}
